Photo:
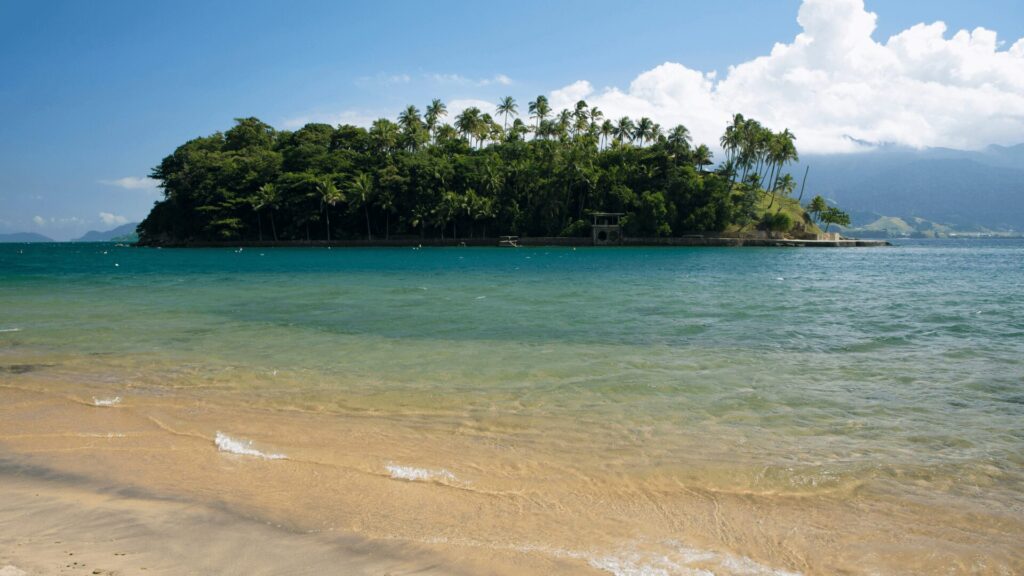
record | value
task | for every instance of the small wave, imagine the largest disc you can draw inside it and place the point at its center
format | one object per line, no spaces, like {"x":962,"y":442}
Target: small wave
{"x":419,"y":474}
{"x":10,"y":329}
{"x":226,"y":443}
{"x":681,"y":560}
{"x":106,"y":401}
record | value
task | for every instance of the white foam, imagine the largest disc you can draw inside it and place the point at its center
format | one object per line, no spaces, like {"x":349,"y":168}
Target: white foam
{"x":680,"y":560}
{"x":106,"y":401}
{"x":10,"y":329}
{"x":226,"y":443}
{"x":419,"y":474}
{"x":11,"y":570}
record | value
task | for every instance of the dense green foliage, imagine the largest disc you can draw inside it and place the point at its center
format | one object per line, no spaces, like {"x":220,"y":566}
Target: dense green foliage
{"x":422,"y":177}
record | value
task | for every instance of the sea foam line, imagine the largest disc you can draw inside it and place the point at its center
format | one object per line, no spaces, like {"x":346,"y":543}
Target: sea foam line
{"x":10,"y":329}
{"x":226,"y":443}
{"x":106,"y":401}
{"x":419,"y":474}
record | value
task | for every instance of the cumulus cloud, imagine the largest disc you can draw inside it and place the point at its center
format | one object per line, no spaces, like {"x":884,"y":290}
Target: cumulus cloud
{"x":353,"y":117}
{"x":133,"y":183}
{"x":838,"y":88}
{"x":39,"y":220}
{"x":112,"y":219}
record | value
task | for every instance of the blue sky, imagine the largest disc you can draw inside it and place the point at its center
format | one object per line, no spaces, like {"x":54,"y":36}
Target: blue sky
{"x":92,"y":93}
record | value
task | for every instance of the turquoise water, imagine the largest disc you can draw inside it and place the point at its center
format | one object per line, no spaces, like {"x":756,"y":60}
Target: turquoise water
{"x":895,"y":370}
{"x":921,"y":344}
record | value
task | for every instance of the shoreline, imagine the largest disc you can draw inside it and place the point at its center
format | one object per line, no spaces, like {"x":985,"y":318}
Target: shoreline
{"x":532,"y":242}
{"x":53,"y":522}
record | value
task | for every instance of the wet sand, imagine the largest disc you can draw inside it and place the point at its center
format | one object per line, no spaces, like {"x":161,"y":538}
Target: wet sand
{"x":145,"y":483}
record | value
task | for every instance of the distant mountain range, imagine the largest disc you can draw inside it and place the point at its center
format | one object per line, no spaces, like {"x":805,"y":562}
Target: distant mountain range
{"x":123,"y":233}
{"x":24,"y":237}
{"x":939,"y":190}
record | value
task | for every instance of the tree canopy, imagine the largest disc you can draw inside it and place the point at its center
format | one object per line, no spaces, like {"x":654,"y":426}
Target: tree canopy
{"x":488,"y":172}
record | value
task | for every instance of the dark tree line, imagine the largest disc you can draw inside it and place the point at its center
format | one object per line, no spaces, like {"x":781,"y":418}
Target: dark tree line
{"x":478,"y":176}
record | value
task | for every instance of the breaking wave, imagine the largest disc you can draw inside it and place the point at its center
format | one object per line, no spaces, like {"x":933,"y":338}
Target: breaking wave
{"x":226,"y":443}
{"x":106,"y":401}
{"x":419,"y":474}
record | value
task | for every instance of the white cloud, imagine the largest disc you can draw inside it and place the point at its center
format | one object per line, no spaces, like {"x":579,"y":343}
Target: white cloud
{"x":112,"y":219}
{"x":834,"y":85}
{"x":57,"y":222}
{"x":133,"y":183}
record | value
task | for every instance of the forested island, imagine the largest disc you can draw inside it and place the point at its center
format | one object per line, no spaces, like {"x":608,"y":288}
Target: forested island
{"x":482,"y":175}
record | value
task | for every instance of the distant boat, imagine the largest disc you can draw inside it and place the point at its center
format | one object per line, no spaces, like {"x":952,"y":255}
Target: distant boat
{"x":508,"y":242}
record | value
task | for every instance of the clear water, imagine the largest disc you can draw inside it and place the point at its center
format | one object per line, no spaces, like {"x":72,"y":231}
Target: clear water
{"x":897,"y":370}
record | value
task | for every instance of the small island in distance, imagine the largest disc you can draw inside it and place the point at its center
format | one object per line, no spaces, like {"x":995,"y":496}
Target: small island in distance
{"x":422,"y":181}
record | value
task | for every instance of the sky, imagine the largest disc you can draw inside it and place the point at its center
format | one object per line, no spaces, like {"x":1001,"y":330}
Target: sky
{"x":94,"y":94}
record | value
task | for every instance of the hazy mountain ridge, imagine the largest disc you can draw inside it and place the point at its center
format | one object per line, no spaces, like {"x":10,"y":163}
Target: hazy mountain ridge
{"x":953,"y":189}
{"x":123,"y":233}
{"x":17,"y":237}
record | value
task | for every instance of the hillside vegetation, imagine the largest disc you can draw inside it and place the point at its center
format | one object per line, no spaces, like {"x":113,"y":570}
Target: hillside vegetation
{"x":482,"y":175}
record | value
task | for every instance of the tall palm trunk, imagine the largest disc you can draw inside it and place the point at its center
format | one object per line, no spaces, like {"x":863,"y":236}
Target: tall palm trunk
{"x":259,"y":225}
{"x":272,"y":225}
{"x":366,"y":210}
{"x":328,"y":214}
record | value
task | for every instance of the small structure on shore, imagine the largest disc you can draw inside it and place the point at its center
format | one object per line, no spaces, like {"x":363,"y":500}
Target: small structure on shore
{"x":606,"y":229}
{"x":508,"y":242}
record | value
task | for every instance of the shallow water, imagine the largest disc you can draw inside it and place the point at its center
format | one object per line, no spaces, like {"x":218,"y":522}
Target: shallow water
{"x":636,"y":411}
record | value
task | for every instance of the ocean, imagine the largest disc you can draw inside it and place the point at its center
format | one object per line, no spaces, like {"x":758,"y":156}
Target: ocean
{"x":611,"y":410}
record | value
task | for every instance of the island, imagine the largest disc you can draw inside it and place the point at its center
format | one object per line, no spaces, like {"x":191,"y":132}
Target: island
{"x":572,"y":178}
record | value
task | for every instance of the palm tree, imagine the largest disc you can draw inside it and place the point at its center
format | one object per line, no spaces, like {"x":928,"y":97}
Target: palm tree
{"x":624,"y":129}
{"x":680,"y":137}
{"x":386,"y":202}
{"x":606,"y":130}
{"x":435,"y":111}
{"x":564,"y":123}
{"x":540,"y":109}
{"x":642,"y":130}
{"x":361,"y":191}
{"x":266,"y":196}
{"x":384,"y":134}
{"x":329,"y":196}
{"x":817,"y":207}
{"x":581,"y":117}
{"x":409,"y":119}
{"x":785,"y":185}
{"x":468,"y":122}
{"x":507,"y":107}
{"x":702,"y":157}
{"x":412,"y":126}
{"x":656,"y":133}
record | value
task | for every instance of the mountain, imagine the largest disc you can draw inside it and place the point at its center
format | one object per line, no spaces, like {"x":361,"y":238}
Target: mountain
{"x":24,"y":237}
{"x":962,"y":190}
{"x":123,"y":233}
